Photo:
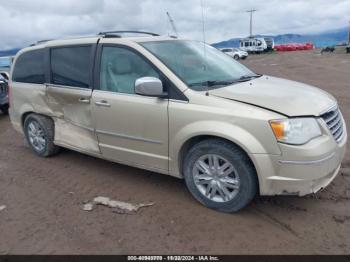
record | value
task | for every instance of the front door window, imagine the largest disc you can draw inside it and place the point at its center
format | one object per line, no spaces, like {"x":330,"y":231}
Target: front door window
{"x":120,"y":68}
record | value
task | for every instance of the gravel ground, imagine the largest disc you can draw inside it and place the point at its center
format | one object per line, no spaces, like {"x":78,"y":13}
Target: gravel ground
{"x":44,"y":197}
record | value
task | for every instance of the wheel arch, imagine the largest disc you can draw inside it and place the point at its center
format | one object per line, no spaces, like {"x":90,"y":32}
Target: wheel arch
{"x":24,"y":116}
{"x":199,"y":138}
{"x":27,"y":113}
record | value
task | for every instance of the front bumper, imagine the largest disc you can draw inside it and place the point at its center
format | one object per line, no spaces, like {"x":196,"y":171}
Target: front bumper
{"x":301,"y":170}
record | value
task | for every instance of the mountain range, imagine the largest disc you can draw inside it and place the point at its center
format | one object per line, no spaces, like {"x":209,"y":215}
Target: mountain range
{"x":329,"y":38}
{"x":10,"y":52}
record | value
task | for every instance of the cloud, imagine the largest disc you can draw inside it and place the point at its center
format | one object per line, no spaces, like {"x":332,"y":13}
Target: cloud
{"x":24,"y":22}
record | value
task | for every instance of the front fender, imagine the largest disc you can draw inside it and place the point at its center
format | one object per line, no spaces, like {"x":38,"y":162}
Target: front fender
{"x":241,"y":137}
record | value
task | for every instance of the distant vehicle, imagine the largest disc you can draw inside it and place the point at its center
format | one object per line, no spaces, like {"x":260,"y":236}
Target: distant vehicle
{"x":253,"y":45}
{"x":4,"y":103}
{"x":235,"y":53}
{"x":5,"y":75}
{"x":270,"y":43}
{"x":328,"y":49}
{"x":294,"y":47}
{"x":5,"y":65}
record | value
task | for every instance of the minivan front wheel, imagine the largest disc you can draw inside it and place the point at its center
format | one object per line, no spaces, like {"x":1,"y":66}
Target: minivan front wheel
{"x":220,"y":175}
{"x":39,"y":132}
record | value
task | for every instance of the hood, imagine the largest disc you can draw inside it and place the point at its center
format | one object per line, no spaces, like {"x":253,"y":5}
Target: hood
{"x":284,"y":96}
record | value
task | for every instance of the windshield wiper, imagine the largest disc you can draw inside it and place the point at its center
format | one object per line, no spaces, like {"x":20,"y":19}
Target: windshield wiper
{"x":248,"y":78}
{"x":215,"y":83}
{"x":212,"y":83}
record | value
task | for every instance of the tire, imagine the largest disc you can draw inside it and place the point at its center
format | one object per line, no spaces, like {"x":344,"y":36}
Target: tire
{"x":45,"y":131}
{"x":236,"y":57}
{"x":4,"y":109}
{"x":243,"y":171}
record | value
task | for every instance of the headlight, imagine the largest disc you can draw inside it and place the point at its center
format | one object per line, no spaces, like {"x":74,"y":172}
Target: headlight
{"x":295,"y":131}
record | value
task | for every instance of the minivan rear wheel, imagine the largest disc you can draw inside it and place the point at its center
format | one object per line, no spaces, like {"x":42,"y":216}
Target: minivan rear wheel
{"x":39,"y":132}
{"x":220,"y":175}
{"x":236,"y":57}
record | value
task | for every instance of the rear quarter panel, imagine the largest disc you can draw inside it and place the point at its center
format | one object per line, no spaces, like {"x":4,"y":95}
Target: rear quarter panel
{"x":26,"y":98}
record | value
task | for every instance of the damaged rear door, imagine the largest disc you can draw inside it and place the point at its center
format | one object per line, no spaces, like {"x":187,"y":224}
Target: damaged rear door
{"x":69,"y":94}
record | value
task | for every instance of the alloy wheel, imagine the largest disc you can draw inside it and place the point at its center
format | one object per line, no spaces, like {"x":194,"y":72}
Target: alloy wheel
{"x":216,"y":178}
{"x":36,"y":136}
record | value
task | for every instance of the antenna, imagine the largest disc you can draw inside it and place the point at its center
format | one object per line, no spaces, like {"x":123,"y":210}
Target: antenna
{"x":251,"y":11}
{"x":349,"y":35}
{"x":204,"y":44}
{"x":203,"y":34}
{"x":203,"y":24}
{"x":172,"y":24}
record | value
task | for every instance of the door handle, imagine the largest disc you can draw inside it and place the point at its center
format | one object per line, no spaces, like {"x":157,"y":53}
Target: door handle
{"x":103,"y":103}
{"x":84,"y":100}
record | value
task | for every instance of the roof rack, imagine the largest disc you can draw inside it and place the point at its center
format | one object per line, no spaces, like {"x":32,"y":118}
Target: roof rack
{"x":116,"y":33}
{"x":41,"y":42}
{"x":107,"y":34}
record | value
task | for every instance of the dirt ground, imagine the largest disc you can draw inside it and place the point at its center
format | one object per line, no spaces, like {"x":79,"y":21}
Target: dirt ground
{"x":43,"y":197}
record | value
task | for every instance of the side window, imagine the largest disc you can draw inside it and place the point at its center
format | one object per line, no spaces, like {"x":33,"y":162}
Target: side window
{"x":29,"y":68}
{"x":70,"y":66}
{"x":120,"y":68}
{"x":246,"y":44}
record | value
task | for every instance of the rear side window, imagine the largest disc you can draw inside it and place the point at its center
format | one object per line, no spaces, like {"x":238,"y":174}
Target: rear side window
{"x":29,"y":68}
{"x":70,"y":66}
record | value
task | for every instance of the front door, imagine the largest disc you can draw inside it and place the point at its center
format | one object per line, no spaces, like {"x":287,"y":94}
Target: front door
{"x":131,"y":128}
{"x":68,"y":97}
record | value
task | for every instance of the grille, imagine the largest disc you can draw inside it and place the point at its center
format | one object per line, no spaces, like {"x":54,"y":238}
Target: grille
{"x":334,"y":122}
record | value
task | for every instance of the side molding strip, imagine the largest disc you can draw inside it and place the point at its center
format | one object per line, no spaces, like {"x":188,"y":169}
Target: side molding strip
{"x":129,"y":137}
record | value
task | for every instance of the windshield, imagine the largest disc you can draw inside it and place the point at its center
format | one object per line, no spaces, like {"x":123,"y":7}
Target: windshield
{"x":199,"y":66}
{"x":5,"y":62}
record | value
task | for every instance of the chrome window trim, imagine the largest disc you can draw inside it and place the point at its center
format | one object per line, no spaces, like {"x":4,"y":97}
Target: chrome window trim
{"x":68,"y":87}
{"x":127,"y":94}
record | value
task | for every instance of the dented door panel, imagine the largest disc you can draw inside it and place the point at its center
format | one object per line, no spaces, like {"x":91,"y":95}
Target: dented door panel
{"x":71,"y":109}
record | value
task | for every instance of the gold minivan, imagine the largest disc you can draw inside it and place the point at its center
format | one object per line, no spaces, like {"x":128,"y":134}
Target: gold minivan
{"x":181,"y":108}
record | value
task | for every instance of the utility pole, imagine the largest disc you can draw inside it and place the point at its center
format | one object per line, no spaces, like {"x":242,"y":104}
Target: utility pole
{"x":251,"y":11}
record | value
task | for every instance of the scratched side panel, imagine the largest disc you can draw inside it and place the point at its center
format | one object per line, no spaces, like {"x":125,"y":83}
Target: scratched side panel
{"x":70,"y":135}
{"x":27,"y":98}
{"x":73,"y":121}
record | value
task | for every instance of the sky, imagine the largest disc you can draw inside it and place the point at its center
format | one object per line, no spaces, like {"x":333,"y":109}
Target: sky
{"x":26,"y":21}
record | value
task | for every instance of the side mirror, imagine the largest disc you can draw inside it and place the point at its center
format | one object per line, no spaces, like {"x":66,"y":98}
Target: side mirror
{"x":149,"y":86}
